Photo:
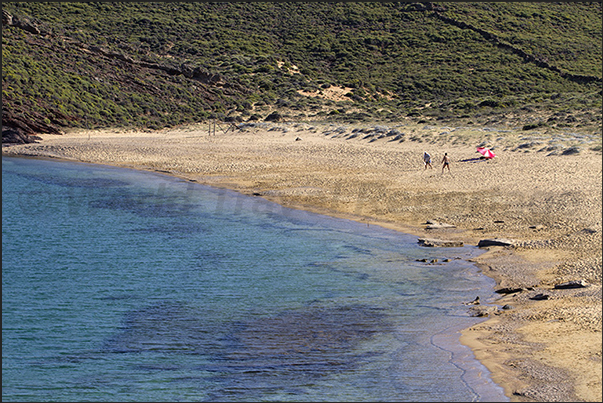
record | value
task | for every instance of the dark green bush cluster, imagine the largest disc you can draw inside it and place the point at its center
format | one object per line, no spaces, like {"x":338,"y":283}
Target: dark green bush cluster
{"x":459,"y":58}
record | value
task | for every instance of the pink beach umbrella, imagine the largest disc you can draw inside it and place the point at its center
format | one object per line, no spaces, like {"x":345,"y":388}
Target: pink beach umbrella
{"x":486,"y":152}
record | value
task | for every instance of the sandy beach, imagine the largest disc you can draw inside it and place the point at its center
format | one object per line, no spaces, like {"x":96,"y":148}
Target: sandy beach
{"x":541,"y":195}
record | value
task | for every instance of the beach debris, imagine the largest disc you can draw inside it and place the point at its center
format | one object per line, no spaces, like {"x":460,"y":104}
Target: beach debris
{"x":536,"y":227}
{"x":572,"y":284}
{"x":496,"y":242}
{"x":297,"y":138}
{"x":439,"y":243}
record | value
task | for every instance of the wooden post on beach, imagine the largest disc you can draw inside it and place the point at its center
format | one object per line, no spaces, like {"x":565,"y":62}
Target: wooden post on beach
{"x":231,"y":126}
{"x":221,"y":128}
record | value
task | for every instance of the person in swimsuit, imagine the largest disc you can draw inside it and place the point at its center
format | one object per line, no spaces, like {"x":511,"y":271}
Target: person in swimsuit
{"x":445,"y":163}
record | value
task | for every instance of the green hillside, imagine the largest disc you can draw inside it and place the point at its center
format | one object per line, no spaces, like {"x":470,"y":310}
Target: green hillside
{"x":154,"y":65}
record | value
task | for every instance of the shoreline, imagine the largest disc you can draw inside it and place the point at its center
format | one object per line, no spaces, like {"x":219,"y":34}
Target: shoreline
{"x":540,"y":350}
{"x":476,"y":382}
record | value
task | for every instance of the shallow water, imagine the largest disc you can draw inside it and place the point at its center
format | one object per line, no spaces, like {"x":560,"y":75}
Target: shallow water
{"x":121,"y":285}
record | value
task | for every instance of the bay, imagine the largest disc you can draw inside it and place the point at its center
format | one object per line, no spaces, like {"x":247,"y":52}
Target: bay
{"x":124,"y":285}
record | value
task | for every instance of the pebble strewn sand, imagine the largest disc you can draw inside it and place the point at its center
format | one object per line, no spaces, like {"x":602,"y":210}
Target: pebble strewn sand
{"x":543,"y":190}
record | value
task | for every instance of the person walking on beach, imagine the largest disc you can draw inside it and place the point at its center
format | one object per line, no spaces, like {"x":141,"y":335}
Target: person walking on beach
{"x":427,"y":159}
{"x":445,"y":163}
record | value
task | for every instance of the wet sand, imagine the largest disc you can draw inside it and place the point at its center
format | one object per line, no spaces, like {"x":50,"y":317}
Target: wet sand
{"x":541,"y":343}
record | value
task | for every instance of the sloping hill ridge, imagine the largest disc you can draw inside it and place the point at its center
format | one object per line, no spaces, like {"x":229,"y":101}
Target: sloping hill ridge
{"x":154,"y":65}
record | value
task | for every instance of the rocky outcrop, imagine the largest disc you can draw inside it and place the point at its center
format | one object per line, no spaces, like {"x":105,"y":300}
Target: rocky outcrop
{"x":20,"y":124}
{"x":11,"y":135}
{"x":18,"y":128}
{"x":197,"y":73}
{"x":23,"y":129}
{"x":25,"y":24}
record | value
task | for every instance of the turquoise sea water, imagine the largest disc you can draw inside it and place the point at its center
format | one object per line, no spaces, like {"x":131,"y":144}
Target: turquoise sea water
{"x":121,"y":285}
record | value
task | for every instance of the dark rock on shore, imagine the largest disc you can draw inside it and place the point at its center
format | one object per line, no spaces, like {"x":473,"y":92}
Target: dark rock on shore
{"x":496,"y":242}
{"x":572,"y":284}
{"x":16,"y":136}
{"x":439,"y":243}
{"x":509,"y":290}
{"x":481,"y":311}
{"x":438,"y":225}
